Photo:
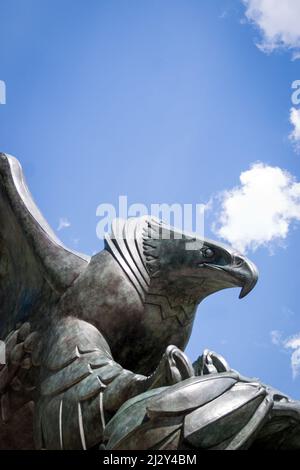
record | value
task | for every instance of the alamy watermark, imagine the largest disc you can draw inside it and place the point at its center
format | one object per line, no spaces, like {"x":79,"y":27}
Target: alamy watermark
{"x":2,"y":353}
{"x":296,"y":94}
{"x":187,"y":218}
{"x":2,"y":92}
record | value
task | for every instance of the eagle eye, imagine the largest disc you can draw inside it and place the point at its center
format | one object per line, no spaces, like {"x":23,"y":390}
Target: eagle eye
{"x":208,"y":253}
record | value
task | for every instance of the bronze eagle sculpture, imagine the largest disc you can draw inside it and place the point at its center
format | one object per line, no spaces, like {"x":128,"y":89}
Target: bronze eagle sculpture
{"x":94,"y":345}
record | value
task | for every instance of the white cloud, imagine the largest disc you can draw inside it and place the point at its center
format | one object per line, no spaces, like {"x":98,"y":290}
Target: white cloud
{"x":278,"y":21}
{"x":294,"y":344}
{"x":295,"y":121}
{"x":275,"y":337}
{"x":261,"y":210}
{"x":63,"y":223}
{"x":291,"y":343}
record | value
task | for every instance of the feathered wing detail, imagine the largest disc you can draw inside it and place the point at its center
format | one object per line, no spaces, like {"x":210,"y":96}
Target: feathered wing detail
{"x":217,"y":411}
{"x":76,"y":369}
{"x":33,"y":262}
{"x":82,"y":387}
{"x":17,"y":375}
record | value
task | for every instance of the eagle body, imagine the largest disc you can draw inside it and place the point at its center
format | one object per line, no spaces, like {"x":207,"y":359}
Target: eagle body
{"x":92,"y":342}
{"x":150,"y":327}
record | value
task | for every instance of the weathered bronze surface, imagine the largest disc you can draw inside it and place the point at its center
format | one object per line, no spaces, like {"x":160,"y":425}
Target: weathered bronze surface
{"x":94,"y":345}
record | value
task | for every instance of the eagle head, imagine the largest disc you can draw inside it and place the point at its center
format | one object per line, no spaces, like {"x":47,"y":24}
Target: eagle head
{"x":163,"y":260}
{"x":172,"y":272}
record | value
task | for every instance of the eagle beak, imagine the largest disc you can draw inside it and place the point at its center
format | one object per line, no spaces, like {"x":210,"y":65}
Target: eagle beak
{"x":239,"y":272}
{"x":247,"y":272}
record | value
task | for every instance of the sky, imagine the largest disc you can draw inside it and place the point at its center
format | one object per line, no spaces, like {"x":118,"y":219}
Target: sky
{"x":174,"y":101}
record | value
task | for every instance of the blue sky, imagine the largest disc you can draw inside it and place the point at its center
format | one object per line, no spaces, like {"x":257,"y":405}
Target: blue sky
{"x":162,"y":101}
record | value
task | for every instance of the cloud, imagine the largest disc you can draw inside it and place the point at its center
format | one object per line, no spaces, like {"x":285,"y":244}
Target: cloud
{"x":294,"y":344}
{"x":278,"y":22}
{"x":63,"y":223}
{"x":260,"y":211}
{"x":275,"y":337}
{"x":291,"y":343}
{"x":295,"y":121}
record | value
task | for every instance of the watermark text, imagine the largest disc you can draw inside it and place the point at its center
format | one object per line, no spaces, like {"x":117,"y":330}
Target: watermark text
{"x":187,"y":218}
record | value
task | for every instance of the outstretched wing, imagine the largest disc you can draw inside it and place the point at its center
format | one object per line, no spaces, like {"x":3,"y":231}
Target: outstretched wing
{"x":34,"y":265}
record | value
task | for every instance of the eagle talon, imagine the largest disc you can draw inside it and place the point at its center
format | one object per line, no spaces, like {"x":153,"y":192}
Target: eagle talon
{"x":210,"y":363}
{"x":173,"y":368}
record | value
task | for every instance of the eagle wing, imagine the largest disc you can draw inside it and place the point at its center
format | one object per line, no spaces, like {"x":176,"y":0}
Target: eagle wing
{"x":82,"y":386}
{"x":34,"y":265}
